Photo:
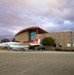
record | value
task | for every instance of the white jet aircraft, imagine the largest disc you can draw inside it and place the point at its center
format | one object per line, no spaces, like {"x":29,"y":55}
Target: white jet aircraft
{"x":14,"y":46}
{"x":35,"y":45}
{"x":36,"y":41}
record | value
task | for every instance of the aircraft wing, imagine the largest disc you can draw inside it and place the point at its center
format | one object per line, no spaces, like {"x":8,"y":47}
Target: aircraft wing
{"x":35,"y":44}
{"x":3,"y":45}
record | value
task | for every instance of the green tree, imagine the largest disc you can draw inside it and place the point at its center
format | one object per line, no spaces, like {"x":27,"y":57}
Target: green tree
{"x":5,"y":40}
{"x":48,"y":41}
{"x":16,"y":41}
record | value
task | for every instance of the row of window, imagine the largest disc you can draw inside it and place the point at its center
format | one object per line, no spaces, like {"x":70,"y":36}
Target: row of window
{"x":68,"y":45}
{"x":55,"y":37}
{"x":69,"y":37}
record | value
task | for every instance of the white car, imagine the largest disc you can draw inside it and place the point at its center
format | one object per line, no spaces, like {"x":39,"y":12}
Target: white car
{"x":15,"y":46}
{"x":18,"y":47}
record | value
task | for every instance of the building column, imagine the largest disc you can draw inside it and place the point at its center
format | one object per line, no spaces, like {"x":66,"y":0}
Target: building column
{"x":37,"y":31}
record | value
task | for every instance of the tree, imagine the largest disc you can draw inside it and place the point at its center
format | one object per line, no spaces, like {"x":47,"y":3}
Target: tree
{"x":48,"y":41}
{"x":5,"y":40}
{"x":16,"y":41}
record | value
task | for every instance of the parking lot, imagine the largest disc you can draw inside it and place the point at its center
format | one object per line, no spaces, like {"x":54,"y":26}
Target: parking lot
{"x":36,"y":63}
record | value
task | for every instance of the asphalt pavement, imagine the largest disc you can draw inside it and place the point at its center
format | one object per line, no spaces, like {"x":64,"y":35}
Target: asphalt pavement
{"x":36,"y":63}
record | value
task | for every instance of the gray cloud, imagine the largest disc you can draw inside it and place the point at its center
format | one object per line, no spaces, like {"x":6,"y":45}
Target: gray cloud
{"x":50,"y":15}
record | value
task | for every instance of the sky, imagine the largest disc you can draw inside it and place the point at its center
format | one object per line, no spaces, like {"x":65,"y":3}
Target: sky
{"x":51,"y":15}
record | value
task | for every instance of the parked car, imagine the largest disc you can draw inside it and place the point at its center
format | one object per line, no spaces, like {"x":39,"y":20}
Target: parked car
{"x":41,"y":47}
{"x":37,"y":47}
{"x":18,"y":46}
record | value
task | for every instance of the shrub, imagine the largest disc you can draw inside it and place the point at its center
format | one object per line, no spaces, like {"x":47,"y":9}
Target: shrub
{"x":58,"y":49}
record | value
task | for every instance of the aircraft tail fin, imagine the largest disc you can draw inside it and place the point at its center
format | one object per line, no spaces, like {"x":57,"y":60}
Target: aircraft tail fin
{"x":36,"y":41}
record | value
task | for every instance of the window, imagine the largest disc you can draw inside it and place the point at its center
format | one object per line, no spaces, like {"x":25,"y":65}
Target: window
{"x":73,"y":44}
{"x":68,"y":44}
{"x":73,"y":36}
{"x":58,"y":37}
{"x":60,"y":45}
{"x":54,"y":37}
{"x":68,"y":36}
{"x":32,"y":35}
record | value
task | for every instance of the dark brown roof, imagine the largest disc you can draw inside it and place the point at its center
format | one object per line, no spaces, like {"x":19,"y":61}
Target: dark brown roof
{"x":30,"y":28}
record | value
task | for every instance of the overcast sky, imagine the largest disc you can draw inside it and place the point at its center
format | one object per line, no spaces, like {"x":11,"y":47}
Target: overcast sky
{"x":51,"y":15}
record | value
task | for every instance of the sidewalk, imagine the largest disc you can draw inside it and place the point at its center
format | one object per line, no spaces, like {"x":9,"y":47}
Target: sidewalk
{"x":40,"y":52}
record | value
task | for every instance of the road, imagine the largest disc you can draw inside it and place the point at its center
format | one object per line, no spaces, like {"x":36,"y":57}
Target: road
{"x":36,"y":63}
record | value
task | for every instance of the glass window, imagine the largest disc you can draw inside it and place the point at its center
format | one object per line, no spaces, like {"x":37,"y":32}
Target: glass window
{"x":58,"y":37}
{"x":54,"y":37}
{"x":73,"y":36}
{"x":73,"y":44}
{"x":68,"y":36}
{"x":32,"y":35}
{"x":68,"y":44}
{"x":60,"y":45}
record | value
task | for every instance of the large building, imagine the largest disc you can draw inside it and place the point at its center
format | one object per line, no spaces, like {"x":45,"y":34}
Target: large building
{"x":64,"y":40}
{"x":28,"y":35}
